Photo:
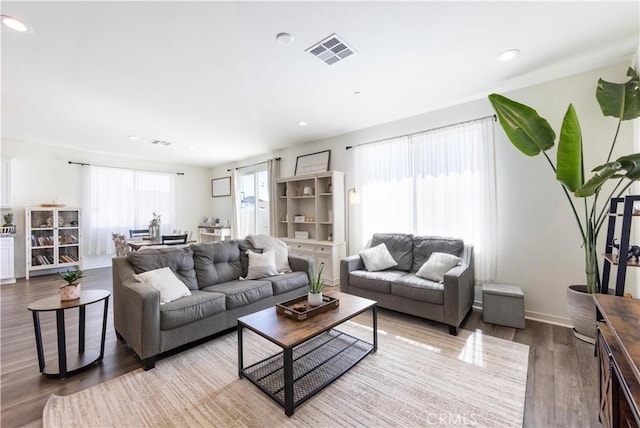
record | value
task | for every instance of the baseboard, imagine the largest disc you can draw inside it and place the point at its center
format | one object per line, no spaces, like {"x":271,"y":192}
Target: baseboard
{"x":538,"y":316}
{"x":549,"y":319}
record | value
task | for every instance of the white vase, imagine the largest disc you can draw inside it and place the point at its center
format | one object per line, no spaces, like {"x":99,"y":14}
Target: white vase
{"x":315,"y":299}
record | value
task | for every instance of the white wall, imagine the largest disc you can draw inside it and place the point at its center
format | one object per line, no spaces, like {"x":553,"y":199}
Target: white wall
{"x":539,"y":244}
{"x":41,"y":174}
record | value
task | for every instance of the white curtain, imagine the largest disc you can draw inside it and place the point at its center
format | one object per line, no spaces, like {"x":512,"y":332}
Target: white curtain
{"x":235,"y":205}
{"x":273,"y":173}
{"x":439,"y":182}
{"x":115,"y":200}
{"x":384,"y":188}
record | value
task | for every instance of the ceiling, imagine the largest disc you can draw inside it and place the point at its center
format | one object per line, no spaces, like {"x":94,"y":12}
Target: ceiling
{"x":210,"y":77}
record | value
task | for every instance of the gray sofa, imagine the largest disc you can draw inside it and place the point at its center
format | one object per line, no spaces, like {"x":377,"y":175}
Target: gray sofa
{"x":401,"y":290}
{"x":218,"y":297}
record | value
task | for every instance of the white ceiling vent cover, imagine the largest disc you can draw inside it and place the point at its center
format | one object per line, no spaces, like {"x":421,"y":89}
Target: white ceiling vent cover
{"x":160,"y":142}
{"x":332,"y":49}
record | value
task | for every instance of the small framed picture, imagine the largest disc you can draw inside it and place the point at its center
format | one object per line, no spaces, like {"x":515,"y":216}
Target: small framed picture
{"x":313,"y":162}
{"x":221,"y":187}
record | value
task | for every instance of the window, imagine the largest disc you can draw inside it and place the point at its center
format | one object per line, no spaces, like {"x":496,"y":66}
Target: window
{"x":439,"y":182}
{"x":254,"y":201}
{"x":116,"y":200}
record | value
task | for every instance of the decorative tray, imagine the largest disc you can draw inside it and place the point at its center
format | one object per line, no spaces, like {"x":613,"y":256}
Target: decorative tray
{"x":299,"y":308}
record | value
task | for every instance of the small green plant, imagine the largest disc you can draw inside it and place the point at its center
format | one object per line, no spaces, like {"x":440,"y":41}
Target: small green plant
{"x":316,"y":284}
{"x":71,"y":276}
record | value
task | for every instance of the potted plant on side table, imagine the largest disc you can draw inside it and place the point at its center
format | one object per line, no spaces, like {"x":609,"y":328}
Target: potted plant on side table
{"x":532,"y":135}
{"x":70,"y":290}
{"x":316,"y":285}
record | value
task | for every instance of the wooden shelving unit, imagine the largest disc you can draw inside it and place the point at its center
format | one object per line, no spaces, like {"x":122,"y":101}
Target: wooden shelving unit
{"x":313,"y":224}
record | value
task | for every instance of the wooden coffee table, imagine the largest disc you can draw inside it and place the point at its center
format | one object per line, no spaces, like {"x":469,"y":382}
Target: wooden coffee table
{"x":314,"y":353}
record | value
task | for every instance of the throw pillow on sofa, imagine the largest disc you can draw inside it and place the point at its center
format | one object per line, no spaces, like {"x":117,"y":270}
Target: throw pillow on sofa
{"x":377,"y":258}
{"x":261,"y":265}
{"x":437,"y":266}
{"x":166,"y":282}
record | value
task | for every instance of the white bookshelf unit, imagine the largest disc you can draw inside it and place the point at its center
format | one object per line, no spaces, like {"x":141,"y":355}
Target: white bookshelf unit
{"x":310,"y":219}
{"x":52,"y":238}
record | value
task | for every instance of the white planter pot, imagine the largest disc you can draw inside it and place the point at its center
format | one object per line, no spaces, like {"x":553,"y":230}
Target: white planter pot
{"x":70,"y":292}
{"x":315,"y":299}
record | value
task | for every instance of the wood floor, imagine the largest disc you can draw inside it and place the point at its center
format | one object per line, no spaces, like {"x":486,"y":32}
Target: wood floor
{"x":561,"y":385}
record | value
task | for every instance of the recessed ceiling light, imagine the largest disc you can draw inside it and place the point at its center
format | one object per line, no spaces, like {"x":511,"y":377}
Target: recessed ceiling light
{"x":14,"y":23}
{"x":356,"y":92}
{"x":284,"y":38}
{"x":132,"y":137}
{"x":302,"y":123}
{"x":508,"y":55}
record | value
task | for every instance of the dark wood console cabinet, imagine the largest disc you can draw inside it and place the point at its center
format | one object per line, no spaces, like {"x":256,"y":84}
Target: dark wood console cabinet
{"x":618,"y":351}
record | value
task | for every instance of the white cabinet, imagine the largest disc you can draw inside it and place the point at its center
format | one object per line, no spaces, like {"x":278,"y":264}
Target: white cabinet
{"x":323,"y":254}
{"x":7,"y":270}
{"x":214,"y":233}
{"x":52,"y":238}
{"x":310,"y":219}
{"x":5,"y":182}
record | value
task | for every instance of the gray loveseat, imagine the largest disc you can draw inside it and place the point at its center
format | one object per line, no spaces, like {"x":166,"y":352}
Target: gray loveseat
{"x":218,"y":297}
{"x":399,"y":289}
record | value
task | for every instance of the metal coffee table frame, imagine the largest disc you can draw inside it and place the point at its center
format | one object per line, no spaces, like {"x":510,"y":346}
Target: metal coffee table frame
{"x":303,"y":369}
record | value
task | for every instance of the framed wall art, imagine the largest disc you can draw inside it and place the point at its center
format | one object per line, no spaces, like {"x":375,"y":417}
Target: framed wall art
{"x":313,"y":162}
{"x":221,"y":186}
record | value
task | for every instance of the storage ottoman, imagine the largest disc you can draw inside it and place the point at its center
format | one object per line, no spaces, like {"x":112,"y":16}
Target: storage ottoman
{"x":503,"y":304}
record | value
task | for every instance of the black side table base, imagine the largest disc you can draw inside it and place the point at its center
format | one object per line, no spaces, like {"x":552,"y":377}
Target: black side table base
{"x":83,"y":360}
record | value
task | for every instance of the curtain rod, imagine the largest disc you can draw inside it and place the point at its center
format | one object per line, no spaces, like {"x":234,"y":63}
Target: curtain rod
{"x":495,"y":118}
{"x":253,"y":164}
{"x":108,"y":166}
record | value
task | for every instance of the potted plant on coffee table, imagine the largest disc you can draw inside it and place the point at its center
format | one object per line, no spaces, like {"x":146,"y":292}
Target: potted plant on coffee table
{"x":316,"y":285}
{"x":532,"y":135}
{"x":70,"y":290}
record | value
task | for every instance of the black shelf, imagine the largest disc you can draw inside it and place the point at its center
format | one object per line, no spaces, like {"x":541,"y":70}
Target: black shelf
{"x":316,"y":363}
{"x":626,"y":215}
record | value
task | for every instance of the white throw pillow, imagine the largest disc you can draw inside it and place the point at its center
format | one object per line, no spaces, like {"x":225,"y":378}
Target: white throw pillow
{"x":437,"y":265}
{"x":377,"y":258}
{"x":282,"y":258}
{"x":261,"y":265}
{"x":166,"y":282}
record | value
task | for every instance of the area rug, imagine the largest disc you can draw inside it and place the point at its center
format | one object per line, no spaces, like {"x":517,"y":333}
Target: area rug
{"x":420,"y":376}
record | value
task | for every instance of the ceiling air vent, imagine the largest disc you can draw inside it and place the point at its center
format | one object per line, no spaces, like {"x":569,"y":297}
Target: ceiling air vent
{"x":161,"y":143}
{"x":332,"y":49}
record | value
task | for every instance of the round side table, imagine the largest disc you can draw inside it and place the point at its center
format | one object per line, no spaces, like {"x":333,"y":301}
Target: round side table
{"x":53,"y":303}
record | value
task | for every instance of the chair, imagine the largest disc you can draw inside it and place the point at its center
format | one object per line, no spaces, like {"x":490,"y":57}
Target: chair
{"x":174,"y":239}
{"x":138,"y":233}
{"x":181,"y":232}
{"x":120,"y":243}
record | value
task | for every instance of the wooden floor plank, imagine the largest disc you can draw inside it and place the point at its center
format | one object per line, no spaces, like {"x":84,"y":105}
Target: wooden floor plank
{"x":561,"y":384}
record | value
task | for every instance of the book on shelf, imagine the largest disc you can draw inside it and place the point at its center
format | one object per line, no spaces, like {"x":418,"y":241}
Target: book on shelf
{"x":67,"y":258}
